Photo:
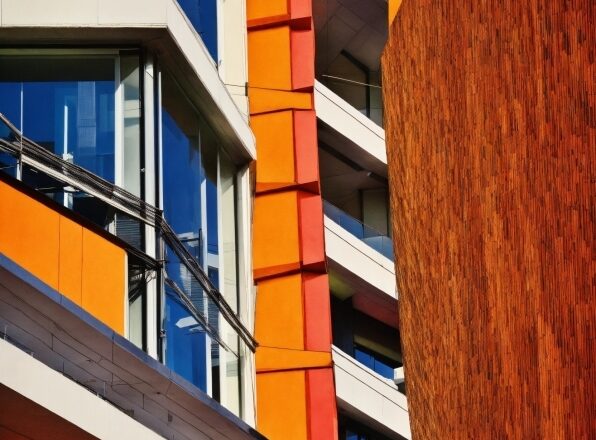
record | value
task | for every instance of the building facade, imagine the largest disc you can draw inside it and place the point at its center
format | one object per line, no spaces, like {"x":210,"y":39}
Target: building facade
{"x":491,"y":143}
{"x":194,"y":222}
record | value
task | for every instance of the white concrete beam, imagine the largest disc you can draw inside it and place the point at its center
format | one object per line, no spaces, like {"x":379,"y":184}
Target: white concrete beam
{"x":37,"y":382}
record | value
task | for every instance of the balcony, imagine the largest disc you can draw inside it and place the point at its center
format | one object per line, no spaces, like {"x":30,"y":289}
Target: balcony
{"x":370,"y":398}
{"x":347,"y":130}
{"x":373,"y":238}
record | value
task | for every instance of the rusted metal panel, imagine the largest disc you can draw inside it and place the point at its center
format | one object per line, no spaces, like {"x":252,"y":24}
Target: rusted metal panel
{"x":491,"y":125}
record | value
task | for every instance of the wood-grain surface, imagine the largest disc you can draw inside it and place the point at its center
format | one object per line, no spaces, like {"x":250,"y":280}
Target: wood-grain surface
{"x":491,"y":126}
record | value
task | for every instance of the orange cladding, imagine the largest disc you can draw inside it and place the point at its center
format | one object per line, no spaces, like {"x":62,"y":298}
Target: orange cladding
{"x":295,"y":389}
{"x":81,"y":265}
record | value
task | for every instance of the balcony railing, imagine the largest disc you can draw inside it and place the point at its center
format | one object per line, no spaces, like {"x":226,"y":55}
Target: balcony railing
{"x":375,"y":239}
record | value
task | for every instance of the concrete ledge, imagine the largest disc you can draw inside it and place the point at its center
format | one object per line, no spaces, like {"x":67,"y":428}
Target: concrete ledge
{"x":65,"y":398}
{"x":359,"y":258}
{"x":369,"y":397}
{"x":362,"y":140}
{"x":67,"y":339}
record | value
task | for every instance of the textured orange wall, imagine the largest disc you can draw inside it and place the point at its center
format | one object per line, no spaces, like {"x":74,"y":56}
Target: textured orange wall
{"x":490,"y":111}
{"x":295,"y":390}
{"x":81,"y":265}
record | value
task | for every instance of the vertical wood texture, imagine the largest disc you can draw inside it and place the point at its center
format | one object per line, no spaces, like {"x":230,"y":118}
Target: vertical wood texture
{"x":490,"y":119}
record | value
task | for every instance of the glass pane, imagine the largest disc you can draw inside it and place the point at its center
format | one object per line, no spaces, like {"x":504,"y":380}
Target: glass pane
{"x":228,"y":233}
{"x":351,"y":435}
{"x":364,"y":358}
{"x":201,"y":211}
{"x":64,"y":103}
{"x":186,"y":343}
{"x":374,"y":362}
{"x":183,"y":173}
{"x":131,"y":108}
{"x":203,"y":16}
{"x":8,"y":162}
{"x":135,"y":321}
{"x":10,"y":100}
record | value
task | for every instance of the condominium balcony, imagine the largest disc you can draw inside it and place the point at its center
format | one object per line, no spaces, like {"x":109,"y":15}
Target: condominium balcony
{"x":357,"y":269}
{"x":373,"y":238}
{"x":347,"y":130}
{"x":370,"y":398}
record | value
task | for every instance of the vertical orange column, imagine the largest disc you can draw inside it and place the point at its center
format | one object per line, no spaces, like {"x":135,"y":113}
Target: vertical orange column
{"x":295,"y":390}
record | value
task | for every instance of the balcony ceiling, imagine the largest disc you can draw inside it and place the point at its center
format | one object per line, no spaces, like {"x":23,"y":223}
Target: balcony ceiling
{"x":358,"y":27}
{"x":341,"y":181}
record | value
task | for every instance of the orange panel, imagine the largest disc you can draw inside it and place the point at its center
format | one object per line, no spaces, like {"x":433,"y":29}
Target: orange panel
{"x":301,"y":13}
{"x":303,"y":59}
{"x":321,"y":404}
{"x":264,"y":100}
{"x":71,"y":259}
{"x":312,"y":232}
{"x":317,"y":312}
{"x":275,"y":359}
{"x":281,"y":407}
{"x":392,"y":10}
{"x":307,"y":150}
{"x":275,"y":149}
{"x":29,"y":234}
{"x":269,"y":64}
{"x":276,"y":237}
{"x":260,"y":12}
{"x":103,"y":280}
{"x":279,"y":316}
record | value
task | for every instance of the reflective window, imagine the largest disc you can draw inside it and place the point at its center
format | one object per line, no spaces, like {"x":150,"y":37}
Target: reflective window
{"x":187,"y":342}
{"x":350,"y":429}
{"x":203,"y":16}
{"x":64,"y":103}
{"x":199,"y":204}
{"x":375,"y":362}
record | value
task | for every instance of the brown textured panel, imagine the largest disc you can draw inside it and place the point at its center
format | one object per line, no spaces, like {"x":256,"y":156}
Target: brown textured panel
{"x":490,"y":120}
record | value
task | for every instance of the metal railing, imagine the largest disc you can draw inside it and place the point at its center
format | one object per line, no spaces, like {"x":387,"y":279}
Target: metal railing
{"x":26,"y":152}
{"x":375,"y":239}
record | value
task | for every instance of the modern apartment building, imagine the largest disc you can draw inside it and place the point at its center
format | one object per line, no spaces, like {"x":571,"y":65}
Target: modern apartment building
{"x":194,"y":222}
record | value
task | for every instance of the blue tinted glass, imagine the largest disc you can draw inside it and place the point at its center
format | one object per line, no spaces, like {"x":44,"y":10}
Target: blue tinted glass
{"x":351,"y":435}
{"x":182,"y":177}
{"x":209,"y":147}
{"x":8,"y":164}
{"x":383,"y":369}
{"x":213,"y":275}
{"x":374,"y":363}
{"x":66,"y":104}
{"x":364,"y":358}
{"x":212,"y":218}
{"x":186,"y":343}
{"x":203,"y":16}
{"x":10,"y":102}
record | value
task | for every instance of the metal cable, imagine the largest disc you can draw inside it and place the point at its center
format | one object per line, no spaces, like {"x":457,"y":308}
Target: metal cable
{"x":37,"y":157}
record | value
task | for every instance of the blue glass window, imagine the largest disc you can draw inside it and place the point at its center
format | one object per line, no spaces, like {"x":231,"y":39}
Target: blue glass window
{"x":375,"y":362}
{"x":64,"y":103}
{"x":203,"y":16}
{"x":190,"y":202}
{"x":186,"y":344}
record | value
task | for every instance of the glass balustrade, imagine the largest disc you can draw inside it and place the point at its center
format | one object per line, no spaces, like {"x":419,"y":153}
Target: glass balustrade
{"x":376,"y":240}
